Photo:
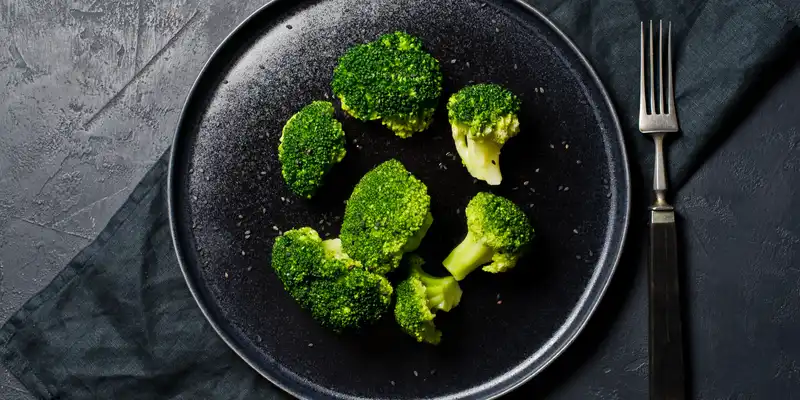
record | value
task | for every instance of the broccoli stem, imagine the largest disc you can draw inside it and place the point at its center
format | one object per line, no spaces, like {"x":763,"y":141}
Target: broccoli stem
{"x":416,"y":240}
{"x":443,"y":293}
{"x":470,"y":254}
{"x":483,"y":160}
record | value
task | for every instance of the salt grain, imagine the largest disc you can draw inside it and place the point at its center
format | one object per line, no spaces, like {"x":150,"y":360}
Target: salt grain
{"x":416,"y":373}
{"x":311,"y":345}
{"x":275,"y":228}
{"x":575,"y":231}
{"x":246,"y":232}
{"x":453,"y":61}
{"x":566,"y":188}
{"x":226,"y":275}
{"x":526,"y":183}
{"x":243,"y":253}
{"x":537,"y":170}
{"x":552,"y":147}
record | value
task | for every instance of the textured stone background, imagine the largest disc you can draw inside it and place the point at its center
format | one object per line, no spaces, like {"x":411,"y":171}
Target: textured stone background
{"x":91,"y":93}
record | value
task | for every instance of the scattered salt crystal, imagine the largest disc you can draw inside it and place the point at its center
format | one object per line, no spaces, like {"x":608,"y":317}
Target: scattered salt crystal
{"x":526,"y":183}
{"x":575,"y":231}
{"x":240,"y":216}
{"x":551,"y":146}
{"x":275,"y":228}
{"x":416,"y":373}
{"x":537,"y":170}
{"x":566,"y":188}
{"x":311,"y":345}
{"x":243,"y":253}
{"x":247,"y":232}
{"x":226,"y":275}
{"x":453,"y":61}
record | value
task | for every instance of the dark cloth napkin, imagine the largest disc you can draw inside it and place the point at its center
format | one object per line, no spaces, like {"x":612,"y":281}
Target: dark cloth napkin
{"x":119,"y":322}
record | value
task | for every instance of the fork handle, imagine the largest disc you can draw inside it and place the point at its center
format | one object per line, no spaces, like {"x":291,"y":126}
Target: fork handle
{"x":667,"y":380}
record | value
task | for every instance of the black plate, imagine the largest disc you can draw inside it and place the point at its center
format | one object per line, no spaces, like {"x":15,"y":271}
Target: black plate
{"x":567,"y":168}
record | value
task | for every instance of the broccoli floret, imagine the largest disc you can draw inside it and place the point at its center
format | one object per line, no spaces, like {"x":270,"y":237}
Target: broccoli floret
{"x":498,"y":233}
{"x":387,"y":215}
{"x":419,"y":297}
{"x":336,"y":289}
{"x":312,"y":142}
{"x":483,"y":118}
{"x":392,"y":79}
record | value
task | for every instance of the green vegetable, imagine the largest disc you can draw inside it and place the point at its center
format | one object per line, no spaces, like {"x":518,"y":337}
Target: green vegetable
{"x":392,"y":79}
{"x":419,"y":297}
{"x":498,"y":233}
{"x":312,"y":142}
{"x":387,"y":215}
{"x":337,"y":290}
{"x":483,"y":118}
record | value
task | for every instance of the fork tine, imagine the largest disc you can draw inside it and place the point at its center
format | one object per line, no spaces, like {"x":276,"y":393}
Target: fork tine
{"x":661,"y":67}
{"x":671,"y":100}
{"x":652,"y":74}
{"x":642,"y":90}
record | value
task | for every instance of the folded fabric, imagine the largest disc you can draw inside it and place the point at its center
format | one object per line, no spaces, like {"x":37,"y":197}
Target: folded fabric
{"x":119,"y":323}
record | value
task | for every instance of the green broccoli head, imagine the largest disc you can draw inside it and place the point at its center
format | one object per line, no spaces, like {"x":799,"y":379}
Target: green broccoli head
{"x":387,"y":215}
{"x":498,"y":233}
{"x":392,"y":79}
{"x":337,"y":290}
{"x":351,"y":301}
{"x":483,"y":118}
{"x":312,"y":142}
{"x":295,"y":256}
{"x":419,"y":297}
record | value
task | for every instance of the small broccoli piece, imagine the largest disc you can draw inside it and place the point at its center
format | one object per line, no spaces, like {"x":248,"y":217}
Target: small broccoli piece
{"x":483,"y":118}
{"x":387,"y":214}
{"x":498,"y":233}
{"x":392,"y":79}
{"x":336,"y":289}
{"x":419,"y":297}
{"x":312,"y":142}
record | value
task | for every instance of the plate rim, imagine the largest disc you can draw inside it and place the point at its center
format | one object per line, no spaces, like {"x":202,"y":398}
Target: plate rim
{"x":497,"y":387}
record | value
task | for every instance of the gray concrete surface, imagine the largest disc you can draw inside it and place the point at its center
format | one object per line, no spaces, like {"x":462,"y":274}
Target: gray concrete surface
{"x":91,"y":99}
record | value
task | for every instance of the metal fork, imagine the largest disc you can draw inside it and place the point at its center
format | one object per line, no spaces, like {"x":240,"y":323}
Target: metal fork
{"x":667,"y":381}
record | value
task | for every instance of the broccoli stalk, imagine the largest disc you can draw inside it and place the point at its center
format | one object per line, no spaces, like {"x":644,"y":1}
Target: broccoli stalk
{"x":498,"y":232}
{"x":470,"y":254}
{"x":480,"y":156}
{"x":420,"y":297}
{"x":483,"y":117}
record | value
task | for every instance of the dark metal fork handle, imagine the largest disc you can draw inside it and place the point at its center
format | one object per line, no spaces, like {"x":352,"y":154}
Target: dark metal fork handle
{"x":667,"y":381}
